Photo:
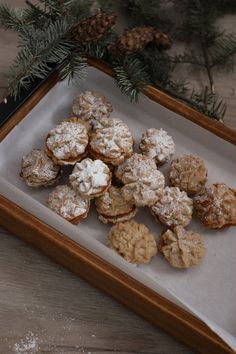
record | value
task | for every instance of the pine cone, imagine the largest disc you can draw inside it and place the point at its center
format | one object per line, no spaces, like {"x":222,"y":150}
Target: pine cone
{"x":134,"y":40}
{"x":94,"y":27}
{"x":162,"y":40}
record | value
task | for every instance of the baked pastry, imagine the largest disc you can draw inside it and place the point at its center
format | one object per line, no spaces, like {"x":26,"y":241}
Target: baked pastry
{"x":157,"y":144}
{"x":182,"y":248}
{"x":112,"y":207}
{"x":215,"y":206}
{"x":173,"y":207}
{"x":111,"y":141}
{"x":91,"y":106}
{"x":90,"y":178}
{"x":67,"y":142}
{"x":189,"y":173}
{"x":69,"y":204}
{"x":133,"y":242}
{"x":143,"y":183}
{"x":38,"y":170}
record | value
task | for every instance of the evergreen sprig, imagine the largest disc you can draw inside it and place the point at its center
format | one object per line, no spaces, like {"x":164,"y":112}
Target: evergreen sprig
{"x":44,"y":30}
{"x":209,"y":47}
{"x":10,"y":18}
{"x":39,"y":49}
{"x":131,"y":76}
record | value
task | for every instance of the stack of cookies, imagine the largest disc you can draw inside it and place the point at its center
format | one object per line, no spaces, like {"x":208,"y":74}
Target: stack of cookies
{"x":105,"y":168}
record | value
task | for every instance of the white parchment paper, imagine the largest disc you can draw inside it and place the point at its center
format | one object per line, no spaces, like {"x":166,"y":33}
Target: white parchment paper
{"x":209,"y":290}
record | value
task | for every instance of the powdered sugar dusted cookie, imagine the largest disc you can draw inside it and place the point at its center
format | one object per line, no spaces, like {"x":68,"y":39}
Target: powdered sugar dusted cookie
{"x":133,"y":242}
{"x":173,"y":207}
{"x":157,"y":144}
{"x":189,"y":173}
{"x":38,"y":170}
{"x":67,"y":142}
{"x":90,"y":178}
{"x":215,"y":206}
{"x":68,"y":203}
{"x":143,"y":183}
{"x":91,"y":106}
{"x":112,"y":207}
{"x":182,"y":248}
{"x":111,"y":141}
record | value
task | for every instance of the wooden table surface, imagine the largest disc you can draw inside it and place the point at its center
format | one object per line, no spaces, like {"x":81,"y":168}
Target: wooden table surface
{"x":46,"y":309}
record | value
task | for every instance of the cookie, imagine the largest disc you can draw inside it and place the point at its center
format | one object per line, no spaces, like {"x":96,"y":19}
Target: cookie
{"x":90,"y":178}
{"x":182,"y":248}
{"x":189,"y":173}
{"x":38,"y":170}
{"x":215,"y":206}
{"x":67,"y":143}
{"x":133,"y":242}
{"x":111,"y":141}
{"x":68,"y":203}
{"x":91,"y":106}
{"x":158,"y":145}
{"x":112,"y":207}
{"x":173,"y":208}
{"x":143,"y":183}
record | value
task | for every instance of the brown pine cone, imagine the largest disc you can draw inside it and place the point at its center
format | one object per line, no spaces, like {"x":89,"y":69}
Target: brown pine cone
{"x":133,"y":40}
{"x":162,"y":40}
{"x":94,"y":27}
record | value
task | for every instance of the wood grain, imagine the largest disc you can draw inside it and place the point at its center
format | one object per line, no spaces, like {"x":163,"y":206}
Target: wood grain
{"x":64,"y":313}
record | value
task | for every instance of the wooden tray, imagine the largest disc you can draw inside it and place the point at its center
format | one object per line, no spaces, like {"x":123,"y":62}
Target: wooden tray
{"x":98,"y":272}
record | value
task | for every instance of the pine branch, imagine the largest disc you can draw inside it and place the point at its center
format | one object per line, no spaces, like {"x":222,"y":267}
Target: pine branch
{"x":158,"y":64}
{"x":209,"y":104}
{"x":10,"y":18}
{"x":150,"y":13}
{"x":223,"y":54}
{"x":207,"y":63}
{"x":131,"y":77}
{"x":100,"y":48}
{"x":43,"y":48}
{"x":74,"y":66}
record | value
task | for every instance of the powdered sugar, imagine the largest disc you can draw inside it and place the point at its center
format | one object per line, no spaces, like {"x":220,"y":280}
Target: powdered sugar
{"x":68,"y":140}
{"x":91,"y":106}
{"x":215,"y":205}
{"x":138,"y":168}
{"x":157,"y":144}
{"x":112,"y":138}
{"x":38,"y":170}
{"x":89,"y":177}
{"x":173,"y":207}
{"x":28,"y":345}
{"x":143,"y":182}
{"x":67,"y":203}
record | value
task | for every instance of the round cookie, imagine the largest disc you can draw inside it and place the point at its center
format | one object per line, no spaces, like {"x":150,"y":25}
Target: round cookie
{"x":173,"y":208}
{"x":215,"y":206}
{"x":133,"y":242}
{"x":143,"y":183}
{"x":189,"y":173}
{"x":91,"y":106}
{"x":158,"y":145}
{"x":68,"y":204}
{"x":38,"y":170}
{"x":182,"y":248}
{"x":111,"y":141}
{"x":112,"y":207}
{"x":90,"y":178}
{"x":67,"y":142}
